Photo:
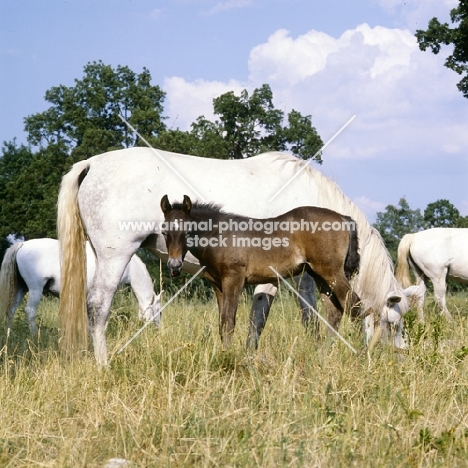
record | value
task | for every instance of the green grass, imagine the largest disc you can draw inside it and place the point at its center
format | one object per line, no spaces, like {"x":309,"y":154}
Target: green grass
{"x":173,"y":398}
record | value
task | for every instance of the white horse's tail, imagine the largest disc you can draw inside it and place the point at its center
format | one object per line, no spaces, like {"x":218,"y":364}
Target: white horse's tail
{"x":72,"y":237}
{"x":403,"y":272}
{"x":9,"y":278}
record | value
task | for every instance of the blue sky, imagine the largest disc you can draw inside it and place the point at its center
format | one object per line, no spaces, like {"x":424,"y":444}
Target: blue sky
{"x":326,"y":58}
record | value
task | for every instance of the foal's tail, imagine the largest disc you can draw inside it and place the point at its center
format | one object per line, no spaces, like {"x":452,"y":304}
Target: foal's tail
{"x":404,"y":257}
{"x":351,"y":266}
{"x":72,"y":238}
{"x":9,"y":280}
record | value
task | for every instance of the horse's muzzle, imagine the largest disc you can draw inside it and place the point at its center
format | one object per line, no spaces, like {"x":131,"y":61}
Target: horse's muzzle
{"x":175,"y":266}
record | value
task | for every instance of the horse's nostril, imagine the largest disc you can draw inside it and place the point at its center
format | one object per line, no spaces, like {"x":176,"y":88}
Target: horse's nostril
{"x":175,"y":266}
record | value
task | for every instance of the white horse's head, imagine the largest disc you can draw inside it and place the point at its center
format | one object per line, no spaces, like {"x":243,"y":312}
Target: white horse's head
{"x":391,"y":321}
{"x":153,"y":311}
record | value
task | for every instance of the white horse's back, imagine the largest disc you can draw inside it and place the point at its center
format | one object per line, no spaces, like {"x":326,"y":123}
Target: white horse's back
{"x":442,"y":247}
{"x":435,"y":254}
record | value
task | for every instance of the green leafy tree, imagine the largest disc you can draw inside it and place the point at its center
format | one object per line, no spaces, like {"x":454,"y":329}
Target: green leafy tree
{"x":29,"y":185}
{"x":82,"y":121}
{"x":441,"y":213}
{"x":86,"y":118}
{"x":395,"y":222}
{"x":11,"y":165}
{"x":249,"y":125}
{"x":438,"y":34}
{"x":462,"y":222}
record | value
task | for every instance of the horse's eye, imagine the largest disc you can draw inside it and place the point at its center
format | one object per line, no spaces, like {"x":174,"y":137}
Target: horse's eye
{"x":164,"y":233}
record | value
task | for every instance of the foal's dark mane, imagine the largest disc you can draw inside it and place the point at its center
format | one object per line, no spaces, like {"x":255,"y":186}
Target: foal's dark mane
{"x":202,"y":211}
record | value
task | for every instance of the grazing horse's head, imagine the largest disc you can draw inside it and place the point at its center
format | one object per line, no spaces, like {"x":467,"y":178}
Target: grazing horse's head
{"x":175,"y":233}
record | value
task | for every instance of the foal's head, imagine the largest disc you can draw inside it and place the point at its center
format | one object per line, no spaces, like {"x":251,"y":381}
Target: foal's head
{"x":175,"y":232}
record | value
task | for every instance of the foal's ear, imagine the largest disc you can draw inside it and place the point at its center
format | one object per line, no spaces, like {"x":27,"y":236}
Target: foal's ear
{"x":165,"y":205}
{"x":187,"y":204}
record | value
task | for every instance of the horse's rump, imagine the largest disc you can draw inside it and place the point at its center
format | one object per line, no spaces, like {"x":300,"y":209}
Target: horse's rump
{"x":9,"y":280}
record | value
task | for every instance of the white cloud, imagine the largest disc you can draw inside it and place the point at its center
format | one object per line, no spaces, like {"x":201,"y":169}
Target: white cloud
{"x":288,"y":61}
{"x":186,"y":101}
{"x":402,"y":97}
{"x":405,"y":100}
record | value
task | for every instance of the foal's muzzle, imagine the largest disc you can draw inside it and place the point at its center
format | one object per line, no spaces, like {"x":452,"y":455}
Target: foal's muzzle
{"x":175,"y":266}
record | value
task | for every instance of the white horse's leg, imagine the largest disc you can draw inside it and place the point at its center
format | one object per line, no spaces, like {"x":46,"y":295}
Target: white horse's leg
{"x":368,"y":328}
{"x":420,"y":300}
{"x":31,"y":308}
{"x":399,"y":340}
{"x":262,"y":299}
{"x":100,"y":295}
{"x":440,"y":288}
{"x":19,"y":295}
{"x":149,"y":304}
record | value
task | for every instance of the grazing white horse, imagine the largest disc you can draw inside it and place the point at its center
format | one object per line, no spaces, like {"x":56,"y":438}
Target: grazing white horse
{"x":435,"y":255}
{"x":34,"y":266}
{"x":114,"y":198}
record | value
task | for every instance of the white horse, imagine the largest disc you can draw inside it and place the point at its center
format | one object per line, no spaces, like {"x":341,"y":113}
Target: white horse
{"x":435,"y":254}
{"x":34,"y":266}
{"x":105,"y":194}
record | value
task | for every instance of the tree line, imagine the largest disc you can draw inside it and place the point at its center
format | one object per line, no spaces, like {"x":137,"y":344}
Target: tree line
{"x":89,"y":118}
{"x":396,"y":221}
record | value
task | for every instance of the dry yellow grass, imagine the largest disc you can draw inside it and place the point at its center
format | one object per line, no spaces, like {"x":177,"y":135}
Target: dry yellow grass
{"x":173,"y":398}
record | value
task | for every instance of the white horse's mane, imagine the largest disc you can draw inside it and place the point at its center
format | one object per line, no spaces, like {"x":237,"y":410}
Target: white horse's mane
{"x":376,"y":278}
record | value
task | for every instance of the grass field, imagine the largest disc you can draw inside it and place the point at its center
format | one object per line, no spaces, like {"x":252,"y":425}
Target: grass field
{"x":173,"y":398}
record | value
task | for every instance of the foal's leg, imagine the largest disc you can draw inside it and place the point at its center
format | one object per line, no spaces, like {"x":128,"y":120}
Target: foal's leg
{"x":305,"y":285}
{"x":342,"y":297}
{"x":99,"y":300}
{"x":261,"y":304}
{"x":232,"y":287}
{"x":333,"y":313}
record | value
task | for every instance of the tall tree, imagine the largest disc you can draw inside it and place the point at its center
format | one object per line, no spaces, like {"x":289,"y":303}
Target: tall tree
{"x":29,"y":185}
{"x":438,"y":34}
{"x":441,"y":213}
{"x":395,"y":222}
{"x":86,"y":117}
{"x":249,"y":125}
